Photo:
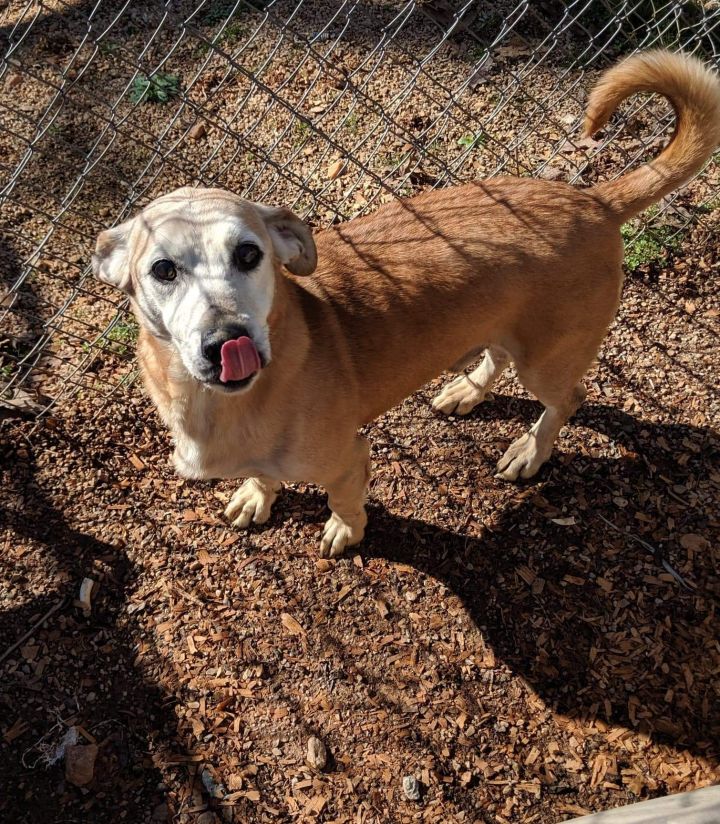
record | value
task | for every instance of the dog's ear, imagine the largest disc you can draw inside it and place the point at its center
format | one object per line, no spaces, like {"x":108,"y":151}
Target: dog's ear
{"x":110,"y":262}
{"x":292,"y":239}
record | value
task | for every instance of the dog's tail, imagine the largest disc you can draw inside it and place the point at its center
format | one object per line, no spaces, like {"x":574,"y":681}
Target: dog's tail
{"x":694,"y":92}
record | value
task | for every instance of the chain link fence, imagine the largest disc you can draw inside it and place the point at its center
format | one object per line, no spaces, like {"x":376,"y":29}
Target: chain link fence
{"x":330,"y":108}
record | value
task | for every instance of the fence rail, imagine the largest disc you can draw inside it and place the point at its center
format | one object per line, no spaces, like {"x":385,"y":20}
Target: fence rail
{"x":330,"y":108}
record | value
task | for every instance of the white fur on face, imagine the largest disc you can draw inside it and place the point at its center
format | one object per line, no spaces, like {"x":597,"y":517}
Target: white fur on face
{"x":209,"y":292}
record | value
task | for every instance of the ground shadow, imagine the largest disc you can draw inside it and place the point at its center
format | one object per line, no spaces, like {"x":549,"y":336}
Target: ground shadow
{"x":583,"y":612}
{"x":73,"y":670}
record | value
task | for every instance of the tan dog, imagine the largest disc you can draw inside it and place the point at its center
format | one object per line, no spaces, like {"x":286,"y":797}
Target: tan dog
{"x":268,"y":376}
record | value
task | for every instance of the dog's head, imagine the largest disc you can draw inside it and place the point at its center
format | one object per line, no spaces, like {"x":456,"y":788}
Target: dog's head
{"x":200,"y":266}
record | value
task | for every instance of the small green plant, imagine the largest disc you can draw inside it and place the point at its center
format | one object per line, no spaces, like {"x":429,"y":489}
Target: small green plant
{"x":229,"y":35}
{"x":648,"y":246}
{"x":352,"y":122}
{"x":232,"y":32}
{"x":472,"y":141}
{"x":158,"y":88}
{"x":301,"y":131}
{"x":121,"y":338}
{"x":391,"y":160}
{"x":217,"y":12}
{"x":709,"y":206}
{"x":108,"y":47}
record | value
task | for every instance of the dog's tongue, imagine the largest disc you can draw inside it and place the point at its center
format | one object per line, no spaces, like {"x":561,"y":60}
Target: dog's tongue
{"x":239,"y":359}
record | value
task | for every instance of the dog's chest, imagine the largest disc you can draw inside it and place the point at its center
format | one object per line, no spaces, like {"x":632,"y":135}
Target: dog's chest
{"x":210,"y":443}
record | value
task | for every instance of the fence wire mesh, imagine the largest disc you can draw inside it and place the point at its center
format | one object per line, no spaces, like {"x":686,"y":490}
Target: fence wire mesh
{"x":330,"y":108}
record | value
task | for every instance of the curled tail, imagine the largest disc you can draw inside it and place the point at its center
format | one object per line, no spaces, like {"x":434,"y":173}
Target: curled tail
{"x":694,"y":92}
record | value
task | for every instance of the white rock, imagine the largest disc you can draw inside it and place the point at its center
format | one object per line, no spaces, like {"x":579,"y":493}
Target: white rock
{"x":411,"y":788}
{"x":316,"y":753}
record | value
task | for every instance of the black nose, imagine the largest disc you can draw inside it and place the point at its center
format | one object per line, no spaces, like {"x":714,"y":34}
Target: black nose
{"x":212,"y":341}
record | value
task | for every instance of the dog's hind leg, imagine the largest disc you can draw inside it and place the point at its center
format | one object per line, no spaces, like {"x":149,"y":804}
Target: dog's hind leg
{"x":346,"y":499}
{"x":529,"y":452}
{"x":464,"y":393}
{"x":252,"y":502}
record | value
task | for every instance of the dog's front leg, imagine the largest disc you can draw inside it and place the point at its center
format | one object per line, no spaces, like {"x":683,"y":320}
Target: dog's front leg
{"x":253,"y":501}
{"x":346,"y":499}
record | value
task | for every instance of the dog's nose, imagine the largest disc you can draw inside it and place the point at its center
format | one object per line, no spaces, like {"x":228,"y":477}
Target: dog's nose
{"x":211,"y":341}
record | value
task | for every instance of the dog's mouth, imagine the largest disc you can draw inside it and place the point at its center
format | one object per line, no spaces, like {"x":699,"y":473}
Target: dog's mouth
{"x":231,"y":386}
{"x":240,"y":363}
{"x":239,"y":360}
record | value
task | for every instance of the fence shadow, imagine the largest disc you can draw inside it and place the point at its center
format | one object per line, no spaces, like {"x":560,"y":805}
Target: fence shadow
{"x":563,"y":640}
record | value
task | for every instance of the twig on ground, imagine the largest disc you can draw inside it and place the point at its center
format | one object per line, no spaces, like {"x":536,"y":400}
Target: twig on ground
{"x":32,"y":629}
{"x":657,"y":555}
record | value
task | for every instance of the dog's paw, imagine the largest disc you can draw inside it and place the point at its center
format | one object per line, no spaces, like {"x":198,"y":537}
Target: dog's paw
{"x":250,"y":504}
{"x":523,"y":458}
{"x":337,"y":534}
{"x":459,"y":397}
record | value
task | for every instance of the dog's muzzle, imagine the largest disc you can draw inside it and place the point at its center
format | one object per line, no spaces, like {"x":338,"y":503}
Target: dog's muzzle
{"x":232,"y":355}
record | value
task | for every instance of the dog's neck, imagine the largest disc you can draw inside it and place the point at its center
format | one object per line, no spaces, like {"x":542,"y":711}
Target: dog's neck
{"x":195,"y":414}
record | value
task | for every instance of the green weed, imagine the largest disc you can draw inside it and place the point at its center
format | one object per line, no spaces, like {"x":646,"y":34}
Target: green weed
{"x":120,"y":340}
{"x":352,"y":122}
{"x":472,"y":141}
{"x":652,"y":245}
{"x":109,"y":47}
{"x":158,"y":88}
{"x":301,"y":131}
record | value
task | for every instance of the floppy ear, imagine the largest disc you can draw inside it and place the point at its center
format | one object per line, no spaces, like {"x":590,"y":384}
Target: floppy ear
{"x":111,"y":261}
{"x":292,"y":239}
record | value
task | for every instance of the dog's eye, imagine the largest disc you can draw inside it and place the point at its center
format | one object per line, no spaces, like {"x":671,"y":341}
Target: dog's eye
{"x":246,"y":256}
{"x":164,"y":270}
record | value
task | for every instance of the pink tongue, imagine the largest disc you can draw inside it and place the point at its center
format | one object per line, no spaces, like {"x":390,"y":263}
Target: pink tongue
{"x":239,"y":359}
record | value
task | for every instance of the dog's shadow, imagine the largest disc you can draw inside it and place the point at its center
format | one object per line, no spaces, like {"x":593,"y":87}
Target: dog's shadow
{"x":582,"y":611}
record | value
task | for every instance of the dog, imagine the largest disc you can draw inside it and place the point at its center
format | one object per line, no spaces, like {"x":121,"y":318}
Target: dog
{"x":265,"y":349}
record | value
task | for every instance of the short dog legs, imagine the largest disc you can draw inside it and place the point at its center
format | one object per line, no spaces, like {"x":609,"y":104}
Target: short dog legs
{"x":346,"y":499}
{"x":253,"y":501}
{"x":528,"y":453}
{"x":464,"y":393}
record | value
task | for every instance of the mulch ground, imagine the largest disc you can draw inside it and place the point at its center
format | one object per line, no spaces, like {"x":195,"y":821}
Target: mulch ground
{"x":515,"y":648}
{"x":526,"y":652}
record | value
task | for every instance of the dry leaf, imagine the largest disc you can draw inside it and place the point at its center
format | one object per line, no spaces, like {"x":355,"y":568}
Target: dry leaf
{"x":80,"y":763}
{"x":291,"y":625}
{"x":22,"y":404}
{"x":205,"y":557}
{"x":694,"y":542}
{"x":336,"y":169}
{"x":198,"y":131}
{"x":137,"y":462}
